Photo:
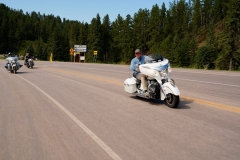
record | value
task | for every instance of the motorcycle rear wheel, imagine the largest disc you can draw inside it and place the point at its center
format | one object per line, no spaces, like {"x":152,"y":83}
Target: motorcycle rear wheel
{"x":172,"y":100}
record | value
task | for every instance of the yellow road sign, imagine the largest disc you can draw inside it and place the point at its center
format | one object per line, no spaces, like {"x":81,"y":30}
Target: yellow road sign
{"x":95,"y":52}
{"x":71,"y":50}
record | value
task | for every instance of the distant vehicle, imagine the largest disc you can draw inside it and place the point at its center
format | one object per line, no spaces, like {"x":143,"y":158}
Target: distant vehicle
{"x":30,"y":63}
{"x":12,"y":64}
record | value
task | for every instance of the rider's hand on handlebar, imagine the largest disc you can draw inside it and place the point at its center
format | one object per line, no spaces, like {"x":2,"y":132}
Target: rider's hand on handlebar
{"x":137,"y":69}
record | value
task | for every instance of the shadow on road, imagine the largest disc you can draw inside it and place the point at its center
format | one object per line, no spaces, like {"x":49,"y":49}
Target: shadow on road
{"x":22,"y":72}
{"x":32,"y":68}
{"x":183,"y":104}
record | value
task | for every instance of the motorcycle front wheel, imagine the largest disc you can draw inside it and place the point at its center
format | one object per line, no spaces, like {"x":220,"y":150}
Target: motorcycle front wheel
{"x":172,"y":100}
{"x":31,"y":65}
{"x":14,"y":70}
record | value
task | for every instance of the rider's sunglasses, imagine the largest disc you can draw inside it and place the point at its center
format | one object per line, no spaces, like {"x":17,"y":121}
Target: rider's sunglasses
{"x":138,"y":53}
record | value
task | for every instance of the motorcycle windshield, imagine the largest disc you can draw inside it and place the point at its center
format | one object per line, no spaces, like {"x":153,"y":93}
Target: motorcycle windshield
{"x":162,"y":67}
{"x":12,"y":59}
{"x":153,"y":58}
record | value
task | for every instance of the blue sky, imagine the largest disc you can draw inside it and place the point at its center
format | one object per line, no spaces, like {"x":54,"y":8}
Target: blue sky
{"x":84,"y":10}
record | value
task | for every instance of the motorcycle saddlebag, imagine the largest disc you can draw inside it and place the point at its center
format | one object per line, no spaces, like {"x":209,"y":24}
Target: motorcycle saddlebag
{"x":130,"y":85}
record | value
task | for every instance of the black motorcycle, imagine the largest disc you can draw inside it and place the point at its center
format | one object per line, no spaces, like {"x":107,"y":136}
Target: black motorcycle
{"x":29,"y":63}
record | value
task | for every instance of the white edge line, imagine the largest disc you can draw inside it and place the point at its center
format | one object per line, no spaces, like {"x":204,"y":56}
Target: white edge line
{"x":208,"y":82}
{"x":201,"y":72}
{"x":109,"y":151}
{"x":205,"y":72}
{"x":173,"y":78}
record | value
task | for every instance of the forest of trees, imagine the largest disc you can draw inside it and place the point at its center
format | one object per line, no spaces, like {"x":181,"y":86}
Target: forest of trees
{"x":193,"y":34}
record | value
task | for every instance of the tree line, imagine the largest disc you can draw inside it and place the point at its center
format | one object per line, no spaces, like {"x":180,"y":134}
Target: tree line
{"x":194,"y":33}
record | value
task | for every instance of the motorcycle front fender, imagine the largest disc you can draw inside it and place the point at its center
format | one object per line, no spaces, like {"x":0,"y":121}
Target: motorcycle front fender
{"x":169,"y":88}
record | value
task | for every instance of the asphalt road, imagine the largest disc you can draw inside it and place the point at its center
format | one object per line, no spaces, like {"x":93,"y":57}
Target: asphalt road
{"x":80,"y":111}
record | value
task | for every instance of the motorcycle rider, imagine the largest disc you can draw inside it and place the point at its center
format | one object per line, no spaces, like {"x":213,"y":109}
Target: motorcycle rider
{"x":26,"y":58}
{"x":10,"y":55}
{"x":135,"y":62}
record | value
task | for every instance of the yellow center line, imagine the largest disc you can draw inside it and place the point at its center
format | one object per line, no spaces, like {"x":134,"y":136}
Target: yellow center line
{"x":85,"y":76}
{"x":196,"y":100}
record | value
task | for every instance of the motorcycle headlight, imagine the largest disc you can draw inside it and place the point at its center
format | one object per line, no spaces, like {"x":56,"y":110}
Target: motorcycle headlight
{"x":13,"y":61}
{"x":163,"y":73}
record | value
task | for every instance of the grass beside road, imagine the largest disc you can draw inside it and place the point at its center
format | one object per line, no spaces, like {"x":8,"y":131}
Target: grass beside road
{"x":2,"y":56}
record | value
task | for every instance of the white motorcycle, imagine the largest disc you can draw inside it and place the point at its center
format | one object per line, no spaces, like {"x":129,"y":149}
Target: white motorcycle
{"x":160,"y":84}
{"x":12,"y":64}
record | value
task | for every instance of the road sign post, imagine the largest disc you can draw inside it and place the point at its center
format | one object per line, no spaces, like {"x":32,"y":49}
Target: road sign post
{"x":51,"y":56}
{"x":95,"y":56}
{"x":71,"y":53}
{"x":79,"y":49}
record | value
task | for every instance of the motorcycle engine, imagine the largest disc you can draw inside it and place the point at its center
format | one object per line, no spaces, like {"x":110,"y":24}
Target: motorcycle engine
{"x":153,"y":90}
